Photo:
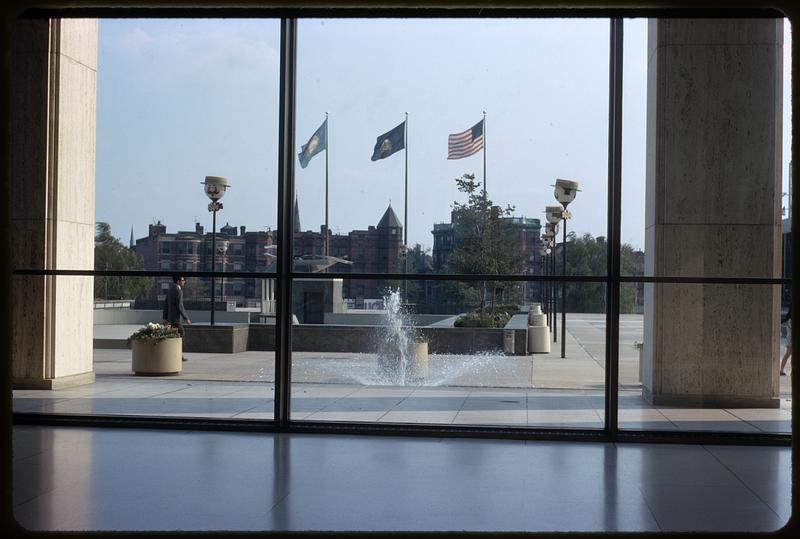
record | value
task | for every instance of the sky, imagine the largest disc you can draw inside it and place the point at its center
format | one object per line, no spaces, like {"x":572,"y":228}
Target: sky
{"x":181,"y":99}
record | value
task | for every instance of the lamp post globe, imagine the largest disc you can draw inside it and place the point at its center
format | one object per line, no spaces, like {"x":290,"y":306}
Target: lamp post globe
{"x":215,"y":187}
{"x":553,"y":214}
{"x":565,"y":191}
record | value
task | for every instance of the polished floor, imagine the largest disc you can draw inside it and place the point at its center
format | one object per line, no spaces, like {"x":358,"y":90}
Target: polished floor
{"x":84,"y":479}
{"x":80,"y":479}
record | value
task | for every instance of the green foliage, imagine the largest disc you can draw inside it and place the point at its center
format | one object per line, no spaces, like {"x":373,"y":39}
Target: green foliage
{"x":484,"y":243}
{"x":510,"y":308}
{"x":415,"y":292}
{"x":587,"y":255}
{"x":154,"y":333}
{"x":489,"y":318}
{"x":111,"y":254}
{"x":419,"y":259}
{"x":196,"y":289}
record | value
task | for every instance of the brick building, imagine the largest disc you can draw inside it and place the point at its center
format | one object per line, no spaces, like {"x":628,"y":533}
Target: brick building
{"x":379,"y":249}
{"x":182,"y":251}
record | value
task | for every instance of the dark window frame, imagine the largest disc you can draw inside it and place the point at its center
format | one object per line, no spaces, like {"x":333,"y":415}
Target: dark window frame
{"x":285,"y":274}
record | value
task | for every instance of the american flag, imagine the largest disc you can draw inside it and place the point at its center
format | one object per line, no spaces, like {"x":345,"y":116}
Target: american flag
{"x":465,"y":143}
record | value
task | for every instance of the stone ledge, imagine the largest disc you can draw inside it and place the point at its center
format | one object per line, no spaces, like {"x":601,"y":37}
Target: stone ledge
{"x":54,"y":383}
{"x":117,"y":344}
{"x":229,"y":339}
{"x":710,"y":401}
{"x":232,"y":339}
{"x":331,"y":338}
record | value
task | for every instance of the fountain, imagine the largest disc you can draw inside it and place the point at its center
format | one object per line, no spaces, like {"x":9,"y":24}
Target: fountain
{"x":403,"y":360}
{"x":402,"y":355}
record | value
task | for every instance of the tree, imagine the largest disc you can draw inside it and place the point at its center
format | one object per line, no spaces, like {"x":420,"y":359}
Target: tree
{"x":587,"y":255}
{"x":419,"y":261}
{"x":111,"y":254}
{"x":484,"y":242}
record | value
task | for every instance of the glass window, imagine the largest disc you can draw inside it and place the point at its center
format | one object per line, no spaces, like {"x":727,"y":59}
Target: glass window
{"x":501,"y":142}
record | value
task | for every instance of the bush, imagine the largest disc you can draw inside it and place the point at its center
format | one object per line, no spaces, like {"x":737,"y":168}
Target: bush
{"x":496,"y":318}
{"x":154,"y":333}
{"x":510,"y":308}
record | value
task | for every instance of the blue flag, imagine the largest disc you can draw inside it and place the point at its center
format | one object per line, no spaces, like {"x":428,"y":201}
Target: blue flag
{"x":388,"y":143}
{"x":317,"y":143}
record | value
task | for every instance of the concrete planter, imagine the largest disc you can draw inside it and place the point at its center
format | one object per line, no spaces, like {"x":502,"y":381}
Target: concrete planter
{"x":538,"y":339}
{"x":159,"y":359}
{"x":416,"y":369}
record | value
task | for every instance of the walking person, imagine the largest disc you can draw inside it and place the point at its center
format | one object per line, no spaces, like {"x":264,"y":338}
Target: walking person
{"x":786,"y":355}
{"x":173,"y":306}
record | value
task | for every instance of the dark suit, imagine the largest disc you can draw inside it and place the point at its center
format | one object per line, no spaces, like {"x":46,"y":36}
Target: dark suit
{"x":173,"y":307}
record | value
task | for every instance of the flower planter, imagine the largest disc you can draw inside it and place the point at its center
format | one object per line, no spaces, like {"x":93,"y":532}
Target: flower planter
{"x":159,"y":359}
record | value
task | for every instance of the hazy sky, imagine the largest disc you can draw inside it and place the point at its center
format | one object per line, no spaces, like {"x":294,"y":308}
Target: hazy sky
{"x":182,"y":99}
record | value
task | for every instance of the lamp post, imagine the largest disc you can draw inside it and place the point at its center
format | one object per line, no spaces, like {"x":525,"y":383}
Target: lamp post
{"x":546,"y":247}
{"x":544,"y":250}
{"x":222,"y":248}
{"x":553,"y":216}
{"x":565,"y":191}
{"x":215,"y":187}
{"x":550,"y":237}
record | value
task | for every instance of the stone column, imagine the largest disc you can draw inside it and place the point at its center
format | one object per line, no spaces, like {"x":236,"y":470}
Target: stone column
{"x":713,"y":210}
{"x":52,"y":200}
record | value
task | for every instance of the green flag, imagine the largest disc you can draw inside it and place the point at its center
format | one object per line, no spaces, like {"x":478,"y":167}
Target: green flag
{"x":317,"y":143}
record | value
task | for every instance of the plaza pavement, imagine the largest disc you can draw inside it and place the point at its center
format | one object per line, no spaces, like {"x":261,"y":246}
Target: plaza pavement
{"x":540,"y":390}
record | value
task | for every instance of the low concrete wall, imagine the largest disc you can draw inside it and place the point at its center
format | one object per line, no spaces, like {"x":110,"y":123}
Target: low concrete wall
{"x":235,"y":338}
{"x":375,"y":318}
{"x":143,"y":316}
{"x":319,"y":338}
{"x":229,"y":339}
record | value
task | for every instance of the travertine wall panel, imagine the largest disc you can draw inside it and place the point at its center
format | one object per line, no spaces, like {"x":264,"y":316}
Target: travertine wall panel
{"x":706,"y":124}
{"x":715,"y":250}
{"x":73,"y":331}
{"x":712,"y":210}
{"x":79,"y":42}
{"x":54,"y":98}
{"x":27,"y":328}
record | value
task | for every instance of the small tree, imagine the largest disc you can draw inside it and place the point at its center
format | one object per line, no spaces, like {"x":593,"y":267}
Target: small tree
{"x":419,"y":261}
{"x":484,"y":242}
{"x":111,"y":254}
{"x":588,"y":256}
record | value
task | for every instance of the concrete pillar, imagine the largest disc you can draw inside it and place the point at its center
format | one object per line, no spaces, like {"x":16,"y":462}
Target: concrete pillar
{"x":52,"y":200}
{"x":713,"y":210}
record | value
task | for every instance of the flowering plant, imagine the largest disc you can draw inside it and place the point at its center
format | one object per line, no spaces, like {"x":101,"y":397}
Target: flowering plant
{"x":154,"y":333}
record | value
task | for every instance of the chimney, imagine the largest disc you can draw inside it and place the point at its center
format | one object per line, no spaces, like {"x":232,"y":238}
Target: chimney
{"x":198,"y":228}
{"x":156,"y":229}
{"x":242,"y":230}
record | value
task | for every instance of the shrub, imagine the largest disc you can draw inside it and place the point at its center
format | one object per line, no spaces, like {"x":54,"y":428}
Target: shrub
{"x":154,"y":333}
{"x":496,"y":318}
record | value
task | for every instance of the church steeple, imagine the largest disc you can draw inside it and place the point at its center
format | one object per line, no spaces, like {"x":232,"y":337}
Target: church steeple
{"x":130,"y":245}
{"x":389,"y":219}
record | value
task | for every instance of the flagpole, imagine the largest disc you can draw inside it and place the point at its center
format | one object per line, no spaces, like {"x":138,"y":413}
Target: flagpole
{"x":405,"y":216}
{"x":484,"y":155}
{"x":327,"y":151}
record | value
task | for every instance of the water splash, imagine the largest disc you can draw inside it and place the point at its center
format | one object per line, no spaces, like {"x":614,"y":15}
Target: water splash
{"x":393,"y":364}
{"x":396,"y":338}
{"x":482,"y":369}
{"x":478,"y":369}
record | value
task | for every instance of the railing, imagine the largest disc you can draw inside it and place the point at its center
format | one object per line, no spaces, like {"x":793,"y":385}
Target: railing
{"x":113,"y":304}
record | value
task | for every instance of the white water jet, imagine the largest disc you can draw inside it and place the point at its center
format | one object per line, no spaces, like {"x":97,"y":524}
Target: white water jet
{"x":402,"y":357}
